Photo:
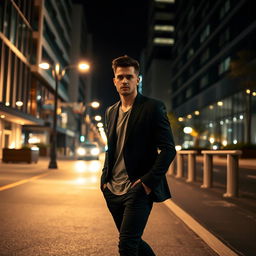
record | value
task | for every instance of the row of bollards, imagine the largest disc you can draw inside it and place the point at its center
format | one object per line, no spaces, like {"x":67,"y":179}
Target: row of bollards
{"x":232,"y":187}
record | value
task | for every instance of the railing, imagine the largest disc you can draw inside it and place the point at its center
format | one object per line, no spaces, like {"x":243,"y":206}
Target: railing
{"x":232,"y":168}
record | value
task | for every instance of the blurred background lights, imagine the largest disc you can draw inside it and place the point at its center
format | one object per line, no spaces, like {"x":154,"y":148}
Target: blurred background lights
{"x":187,"y":130}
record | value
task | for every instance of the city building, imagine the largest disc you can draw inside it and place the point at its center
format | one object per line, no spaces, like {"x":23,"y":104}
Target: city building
{"x":156,"y":59}
{"x":32,"y":32}
{"x":200,"y":60}
{"x":213,"y":84}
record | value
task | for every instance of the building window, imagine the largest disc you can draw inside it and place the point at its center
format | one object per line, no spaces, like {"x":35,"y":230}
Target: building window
{"x":165,"y":28}
{"x":163,"y":41}
{"x":190,"y":53}
{"x":189,"y":92}
{"x":224,"y":37}
{"x":224,"y":65}
{"x":204,"y":81}
{"x":225,"y":8}
{"x":205,"y":56}
{"x":205,"y":33}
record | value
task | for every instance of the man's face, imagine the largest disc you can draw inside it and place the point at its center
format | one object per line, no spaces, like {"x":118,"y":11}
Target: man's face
{"x":126,"y":81}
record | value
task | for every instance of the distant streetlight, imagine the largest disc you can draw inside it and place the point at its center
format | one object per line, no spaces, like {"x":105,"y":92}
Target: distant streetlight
{"x":95,"y":104}
{"x":97,"y":118}
{"x":187,"y":130}
{"x":100,"y":125}
{"x":58,"y":73}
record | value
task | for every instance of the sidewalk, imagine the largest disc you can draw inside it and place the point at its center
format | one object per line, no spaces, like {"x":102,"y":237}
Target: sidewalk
{"x":227,"y":219}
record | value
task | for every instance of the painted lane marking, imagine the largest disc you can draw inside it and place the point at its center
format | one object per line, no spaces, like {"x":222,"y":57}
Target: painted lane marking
{"x":20,"y":182}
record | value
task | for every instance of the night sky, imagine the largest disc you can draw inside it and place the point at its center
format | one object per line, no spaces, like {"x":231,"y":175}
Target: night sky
{"x":118,"y":27}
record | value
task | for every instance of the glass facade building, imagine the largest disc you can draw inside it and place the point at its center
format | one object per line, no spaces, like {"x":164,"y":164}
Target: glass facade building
{"x":211,"y":76}
{"x":32,"y":32}
{"x":213,"y":84}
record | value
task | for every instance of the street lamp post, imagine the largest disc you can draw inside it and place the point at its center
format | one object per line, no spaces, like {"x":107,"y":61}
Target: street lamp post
{"x":58,"y":74}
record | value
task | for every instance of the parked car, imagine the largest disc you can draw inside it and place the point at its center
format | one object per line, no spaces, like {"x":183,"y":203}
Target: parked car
{"x":88,"y":151}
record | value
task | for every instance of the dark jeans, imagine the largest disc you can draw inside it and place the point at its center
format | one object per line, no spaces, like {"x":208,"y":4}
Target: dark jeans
{"x":130,"y":212}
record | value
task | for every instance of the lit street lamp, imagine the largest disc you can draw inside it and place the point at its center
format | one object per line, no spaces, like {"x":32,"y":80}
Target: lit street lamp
{"x":58,"y":74}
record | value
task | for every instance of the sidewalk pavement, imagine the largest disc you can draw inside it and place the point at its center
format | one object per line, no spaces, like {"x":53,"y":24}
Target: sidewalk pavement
{"x":231,"y":220}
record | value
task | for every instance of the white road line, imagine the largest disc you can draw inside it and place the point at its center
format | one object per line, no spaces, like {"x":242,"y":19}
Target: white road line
{"x":213,"y":242}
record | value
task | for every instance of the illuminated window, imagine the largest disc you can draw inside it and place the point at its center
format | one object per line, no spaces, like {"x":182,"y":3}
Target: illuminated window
{"x":224,"y":65}
{"x":205,"y":33}
{"x":164,"y":28}
{"x":163,"y":41}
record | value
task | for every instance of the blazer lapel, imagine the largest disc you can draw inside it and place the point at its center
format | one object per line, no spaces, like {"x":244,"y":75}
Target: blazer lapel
{"x":113,"y":115}
{"x":136,"y":109}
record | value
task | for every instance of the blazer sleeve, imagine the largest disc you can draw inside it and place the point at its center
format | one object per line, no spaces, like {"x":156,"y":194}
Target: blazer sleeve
{"x":164,"y":143}
{"x":105,"y":166}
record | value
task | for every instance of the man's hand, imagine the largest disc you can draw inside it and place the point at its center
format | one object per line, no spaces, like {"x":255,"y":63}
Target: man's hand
{"x":104,"y":186}
{"x":147,"y":189}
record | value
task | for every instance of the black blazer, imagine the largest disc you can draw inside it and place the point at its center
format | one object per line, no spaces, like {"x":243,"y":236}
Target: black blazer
{"x":148,"y":147}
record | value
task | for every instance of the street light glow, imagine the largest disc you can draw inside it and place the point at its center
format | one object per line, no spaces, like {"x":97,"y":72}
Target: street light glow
{"x":95,"y":104}
{"x":19,"y":103}
{"x":83,"y":66}
{"x":44,"y":65}
{"x":187,"y":130}
{"x":97,"y":118}
{"x":100,"y":125}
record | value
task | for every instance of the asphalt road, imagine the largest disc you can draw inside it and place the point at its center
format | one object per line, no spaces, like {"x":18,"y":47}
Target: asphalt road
{"x":62,"y":212}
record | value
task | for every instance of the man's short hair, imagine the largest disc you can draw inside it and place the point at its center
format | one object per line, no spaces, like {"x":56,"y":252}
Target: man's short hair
{"x":126,"y":61}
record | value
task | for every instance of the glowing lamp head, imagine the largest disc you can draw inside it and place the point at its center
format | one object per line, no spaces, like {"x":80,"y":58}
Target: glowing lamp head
{"x":95,"y":104}
{"x":44,"y":65}
{"x":83,"y":66}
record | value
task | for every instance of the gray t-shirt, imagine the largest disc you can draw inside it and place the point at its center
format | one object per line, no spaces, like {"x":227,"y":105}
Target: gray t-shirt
{"x":120,"y":183}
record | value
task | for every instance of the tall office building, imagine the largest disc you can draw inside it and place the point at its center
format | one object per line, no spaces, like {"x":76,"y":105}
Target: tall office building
{"x":157,"y":54}
{"x":32,"y":32}
{"x":213,"y":71}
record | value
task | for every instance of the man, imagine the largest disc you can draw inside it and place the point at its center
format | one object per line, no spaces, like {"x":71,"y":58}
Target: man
{"x":140,"y":150}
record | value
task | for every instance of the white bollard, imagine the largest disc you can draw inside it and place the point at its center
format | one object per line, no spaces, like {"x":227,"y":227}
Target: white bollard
{"x":180,"y":159}
{"x":207,"y":172}
{"x":232,"y":176}
{"x":191,"y":167}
